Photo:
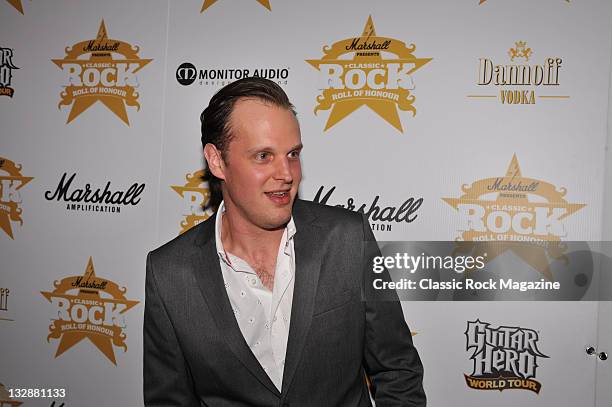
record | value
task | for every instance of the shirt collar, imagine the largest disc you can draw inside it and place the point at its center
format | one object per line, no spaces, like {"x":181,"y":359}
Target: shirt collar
{"x":290,"y":231}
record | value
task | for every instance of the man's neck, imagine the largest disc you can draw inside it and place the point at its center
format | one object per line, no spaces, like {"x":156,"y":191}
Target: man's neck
{"x":247,"y":241}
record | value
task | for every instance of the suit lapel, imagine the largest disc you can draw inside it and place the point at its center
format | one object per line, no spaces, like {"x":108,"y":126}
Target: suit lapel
{"x":210,"y":281}
{"x":308,"y":255}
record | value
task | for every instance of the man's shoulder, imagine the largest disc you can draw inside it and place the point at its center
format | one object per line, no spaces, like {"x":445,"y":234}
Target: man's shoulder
{"x":328,"y":215}
{"x":185,"y":243}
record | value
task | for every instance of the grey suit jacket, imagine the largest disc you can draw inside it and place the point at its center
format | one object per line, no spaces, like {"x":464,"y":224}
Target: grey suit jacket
{"x":195,"y":354}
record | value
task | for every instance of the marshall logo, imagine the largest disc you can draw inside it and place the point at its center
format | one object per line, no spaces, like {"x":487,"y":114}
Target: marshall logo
{"x":89,"y":307}
{"x":513,"y":208}
{"x":504,"y":357}
{"x":17,"y":4}
{"x":92,"y":75}
{"x":187,"y":73}
{"x":91,"y":199}
{"x":5,"y":399}
{"x":6,"y":69}
{"x":196,"y":197}
{"x":11,"y":181}
{"x":519,"y":80}
{"x":208,"y":3}
{"x":367,"y":79}
{"x":381,"y":217}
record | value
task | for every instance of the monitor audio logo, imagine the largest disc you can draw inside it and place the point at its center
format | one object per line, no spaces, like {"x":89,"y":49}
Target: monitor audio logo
{"x":100,"y":77}
{"x":369,"y":78}
{"x":196,"y":197}
{"x":89,"y":307}
{"x":503,"y":358}
{"x":11,"y":182}
{"x":187,"y":74}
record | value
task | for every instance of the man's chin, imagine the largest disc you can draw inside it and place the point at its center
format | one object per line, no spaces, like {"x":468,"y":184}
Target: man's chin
{"x":277,"y":222}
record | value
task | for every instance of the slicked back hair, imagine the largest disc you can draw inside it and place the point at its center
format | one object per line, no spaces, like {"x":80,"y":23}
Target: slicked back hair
{"x":215,"y":119}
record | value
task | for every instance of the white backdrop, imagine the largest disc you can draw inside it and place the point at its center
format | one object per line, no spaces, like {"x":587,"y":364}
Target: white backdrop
{"x":461,"y":133}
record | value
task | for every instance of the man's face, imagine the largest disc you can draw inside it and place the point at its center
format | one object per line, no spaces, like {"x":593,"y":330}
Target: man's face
{"x":262,"y":169}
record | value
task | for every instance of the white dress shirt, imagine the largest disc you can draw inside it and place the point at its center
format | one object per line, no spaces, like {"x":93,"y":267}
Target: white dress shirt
{"x":263,"y":316}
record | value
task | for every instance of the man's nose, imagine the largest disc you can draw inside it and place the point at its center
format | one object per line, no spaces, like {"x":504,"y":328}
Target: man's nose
{"x":282,"y":171}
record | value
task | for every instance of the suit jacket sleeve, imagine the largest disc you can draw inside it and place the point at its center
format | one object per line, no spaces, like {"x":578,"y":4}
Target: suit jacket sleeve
{"x":166,"y":377}
{"x":391,"y":360}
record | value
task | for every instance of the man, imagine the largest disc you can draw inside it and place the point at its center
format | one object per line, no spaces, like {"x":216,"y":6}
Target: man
{"x":261,"y":304}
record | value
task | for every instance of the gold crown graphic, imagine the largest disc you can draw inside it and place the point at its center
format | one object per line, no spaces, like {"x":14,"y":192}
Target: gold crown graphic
{"x":520,"y":51}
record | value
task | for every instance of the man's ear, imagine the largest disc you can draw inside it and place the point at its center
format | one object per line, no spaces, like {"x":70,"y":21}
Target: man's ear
{"x":215,"y":162}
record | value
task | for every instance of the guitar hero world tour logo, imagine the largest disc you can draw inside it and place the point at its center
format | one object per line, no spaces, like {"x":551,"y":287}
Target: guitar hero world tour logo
{"x":89,"y":307}
{"x":11,"y":182}
{"x":101,"y":70}
{"x":522,"y":80}
{"x":6,"y":72}
{"x":503,"y":358}
{"x":360,"y":71}
{"x":195,"y":194}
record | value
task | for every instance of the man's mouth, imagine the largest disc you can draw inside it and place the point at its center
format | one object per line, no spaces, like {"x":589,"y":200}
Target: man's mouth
{"x":279,"y":197}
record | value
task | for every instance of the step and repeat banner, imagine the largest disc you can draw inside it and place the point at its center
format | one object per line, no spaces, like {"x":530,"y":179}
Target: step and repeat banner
{"x":470,"y":120}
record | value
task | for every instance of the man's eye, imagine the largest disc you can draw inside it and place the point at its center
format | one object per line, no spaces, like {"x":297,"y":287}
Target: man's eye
{"x":261,"y":156}
{"x":294,"y":154}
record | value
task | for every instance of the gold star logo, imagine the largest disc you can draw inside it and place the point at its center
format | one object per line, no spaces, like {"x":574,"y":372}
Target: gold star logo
{"x":101,"y":77}
{"x":17,"y":4}
{"x":11,"y":181}
{"x":368,"y":79}
{"x":511,"y":218}
{"x":87,"y":314}
{"x":196,"y":195}
{"x":208,"y":3}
